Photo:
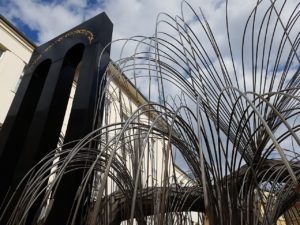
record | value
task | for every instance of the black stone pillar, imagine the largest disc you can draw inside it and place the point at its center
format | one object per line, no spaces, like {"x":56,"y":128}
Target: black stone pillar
{"x":80,"y":124}
{"x":34,"y":121}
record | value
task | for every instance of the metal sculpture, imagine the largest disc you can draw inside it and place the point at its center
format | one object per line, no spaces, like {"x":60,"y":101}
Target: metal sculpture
{"x":233,"y":118}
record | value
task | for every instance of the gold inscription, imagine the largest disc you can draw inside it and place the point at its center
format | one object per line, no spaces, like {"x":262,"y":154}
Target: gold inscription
{"x":84,"y":32}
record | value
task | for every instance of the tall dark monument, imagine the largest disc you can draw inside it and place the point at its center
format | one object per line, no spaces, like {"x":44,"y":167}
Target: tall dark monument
{"x":34,"y":121}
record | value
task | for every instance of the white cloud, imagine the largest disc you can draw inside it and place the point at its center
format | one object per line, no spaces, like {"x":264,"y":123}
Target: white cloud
{"x":138,"y":17}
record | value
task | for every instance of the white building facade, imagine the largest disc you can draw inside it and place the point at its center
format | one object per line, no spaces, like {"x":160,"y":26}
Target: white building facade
{"x":15,"y":52}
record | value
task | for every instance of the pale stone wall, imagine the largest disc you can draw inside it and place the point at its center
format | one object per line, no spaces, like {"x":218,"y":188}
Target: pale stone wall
{"x":122,"y":101}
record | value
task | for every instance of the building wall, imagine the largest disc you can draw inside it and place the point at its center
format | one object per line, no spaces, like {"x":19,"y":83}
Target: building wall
{"x":16,"y":52}
{"x":122,"y":101}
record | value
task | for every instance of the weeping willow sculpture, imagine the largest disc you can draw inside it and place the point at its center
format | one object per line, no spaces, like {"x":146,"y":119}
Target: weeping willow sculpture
{"x":227,"y":111}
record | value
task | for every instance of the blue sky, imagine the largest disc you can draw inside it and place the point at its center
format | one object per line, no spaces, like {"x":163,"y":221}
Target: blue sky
{"x":42,"y":20}
{"x":25,"y":29}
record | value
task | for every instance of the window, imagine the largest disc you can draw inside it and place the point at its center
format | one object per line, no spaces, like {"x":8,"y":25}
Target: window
{"x":14,"y":90}
{"x":1,"y":52}
{"x":125,"y":117}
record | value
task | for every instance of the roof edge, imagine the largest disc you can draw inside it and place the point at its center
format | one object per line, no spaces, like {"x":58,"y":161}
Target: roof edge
{"x":15,"y":29}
